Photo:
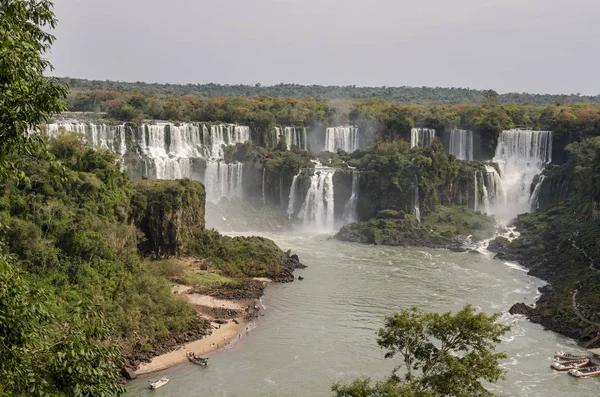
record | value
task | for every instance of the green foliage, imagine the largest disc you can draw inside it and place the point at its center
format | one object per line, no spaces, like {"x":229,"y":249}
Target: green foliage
{"x":438,"y":229}
{"x":239,"y":256}
{"x":390,"y":171}
{"x":459,"y":221}
{"x":27,"y":96}
{"x":209,"y":281}
{"x":49,"y":351}
{"x":362,"y":388}
{"x":442,"y":355}
{"x":173,"y":214}
{"x":69,"y":226}
{"x":399,"y":94}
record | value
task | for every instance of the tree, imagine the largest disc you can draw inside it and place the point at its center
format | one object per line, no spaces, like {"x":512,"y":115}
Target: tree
{"x":27,"y":97}
{"x":490,"y":98}
{"x":43,"y":354}
{"x":443,"y":355}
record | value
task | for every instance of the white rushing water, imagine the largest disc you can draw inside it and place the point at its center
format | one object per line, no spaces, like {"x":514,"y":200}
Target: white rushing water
{"x":420,"y":137}
{"x":461,"y":144}
{"x":294,"y":136}
{"x":317,"y":211}
{"x":534,"y":200}
{"x":168,"y":150}
{"x":344,"y":138}
{"x":521,"y":155}
{"x":493,"y":195}
{"x":350,"y":214}
{"x":292,"y":197}
{"x":416,"y":198}
{"x":223,"y":180}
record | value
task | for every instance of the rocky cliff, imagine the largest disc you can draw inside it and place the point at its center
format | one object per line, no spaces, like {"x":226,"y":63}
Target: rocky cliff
{"x":173,"y":214}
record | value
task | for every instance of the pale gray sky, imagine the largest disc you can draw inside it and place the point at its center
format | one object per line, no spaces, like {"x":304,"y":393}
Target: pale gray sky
{"x":543,"y":46}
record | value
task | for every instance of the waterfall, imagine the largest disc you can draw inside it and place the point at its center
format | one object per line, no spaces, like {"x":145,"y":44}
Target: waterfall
{"x":341,"y":138}
{"x":461,"y":144}
{"x":170,"y":149}
{"x":534,"y":200}
{"x":521,"y":155}
{"x":420,"y":137}
{"x":486,"y":197}
{"x":350,"y":207}
{"x":263,"y":185}
{"x":292,"y":196}
{"x":476,"y":199}
{"x":225,"y":134}
{"x":493,"y":197}
{"x":223,"y":180}
{"x":122,"y":145}
{"x":294,"y":136}
{"x":415,"y":199}
{"x":317,"y":209}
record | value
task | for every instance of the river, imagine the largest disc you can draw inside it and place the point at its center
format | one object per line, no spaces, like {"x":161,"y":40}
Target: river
{"x":323,"y":329}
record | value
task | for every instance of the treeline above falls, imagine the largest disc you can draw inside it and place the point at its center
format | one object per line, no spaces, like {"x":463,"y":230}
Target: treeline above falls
{"x":325,"y":177}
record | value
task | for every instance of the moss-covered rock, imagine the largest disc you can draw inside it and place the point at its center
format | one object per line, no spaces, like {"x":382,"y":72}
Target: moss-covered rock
{"x":443,"y":228}
{"x":173,"y":215}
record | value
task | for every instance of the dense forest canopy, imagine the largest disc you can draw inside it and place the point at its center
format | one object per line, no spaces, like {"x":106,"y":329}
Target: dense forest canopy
{"x":403,"y":94}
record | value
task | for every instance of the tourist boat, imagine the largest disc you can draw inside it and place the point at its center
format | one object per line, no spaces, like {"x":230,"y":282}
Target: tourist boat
{"x":196,"y":359}
{"x":587,"y":371}
{"x":158,"y":383}
{"x":568,"y":356}
{"x":569,"y":364}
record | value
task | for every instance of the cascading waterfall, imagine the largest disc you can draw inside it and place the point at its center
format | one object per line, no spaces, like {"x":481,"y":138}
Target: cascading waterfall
{"x":476,"y":198}
{"x":485,"y":197}
{"x":292,"y":197}
{"x":534,"y":200}
{"x":170,"y":149}
{"x":343,"y":138}
{"x":317,"y":211}
{"x":493,"y":195}
{"x":415,"y":199}
{"x":294,"y":136}
{"x":420,"y":137}
{"x":349,"y":214}
{"x":461,"y":144}
{"x":521,"y":155}
{"x":223,"y":180}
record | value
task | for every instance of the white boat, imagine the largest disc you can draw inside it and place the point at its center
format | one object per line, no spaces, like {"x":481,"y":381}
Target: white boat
{"x":569,"y":364}
{"x":158,"y":383}
{"x":583,"y":372}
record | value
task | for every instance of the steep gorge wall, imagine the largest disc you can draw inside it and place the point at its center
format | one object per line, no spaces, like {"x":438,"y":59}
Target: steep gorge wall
{"x":173,"y":214}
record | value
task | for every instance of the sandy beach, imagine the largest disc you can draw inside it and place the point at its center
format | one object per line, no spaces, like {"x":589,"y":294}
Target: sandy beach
{"x":224,"y":335}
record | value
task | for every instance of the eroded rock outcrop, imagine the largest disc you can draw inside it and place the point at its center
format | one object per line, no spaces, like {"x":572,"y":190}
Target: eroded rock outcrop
{"x":173,"y":214}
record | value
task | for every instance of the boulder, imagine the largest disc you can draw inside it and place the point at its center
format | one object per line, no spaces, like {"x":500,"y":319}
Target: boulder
{"x":128,"y":373}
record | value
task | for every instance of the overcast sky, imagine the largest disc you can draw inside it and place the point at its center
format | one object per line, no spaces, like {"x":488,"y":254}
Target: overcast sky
{"x":543,"y":46}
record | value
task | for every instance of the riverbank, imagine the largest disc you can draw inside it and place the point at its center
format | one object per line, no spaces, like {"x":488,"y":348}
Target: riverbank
{"x":560,"y":249}
{"x":230,"y":320}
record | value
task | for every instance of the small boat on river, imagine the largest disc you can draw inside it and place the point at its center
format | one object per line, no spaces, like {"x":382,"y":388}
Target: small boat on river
{"x":568,"y":356}
{"x":583,"y":372}
{"x":196,"y":359}
{"x":158,"y":383}
{"x":569,"y":364}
